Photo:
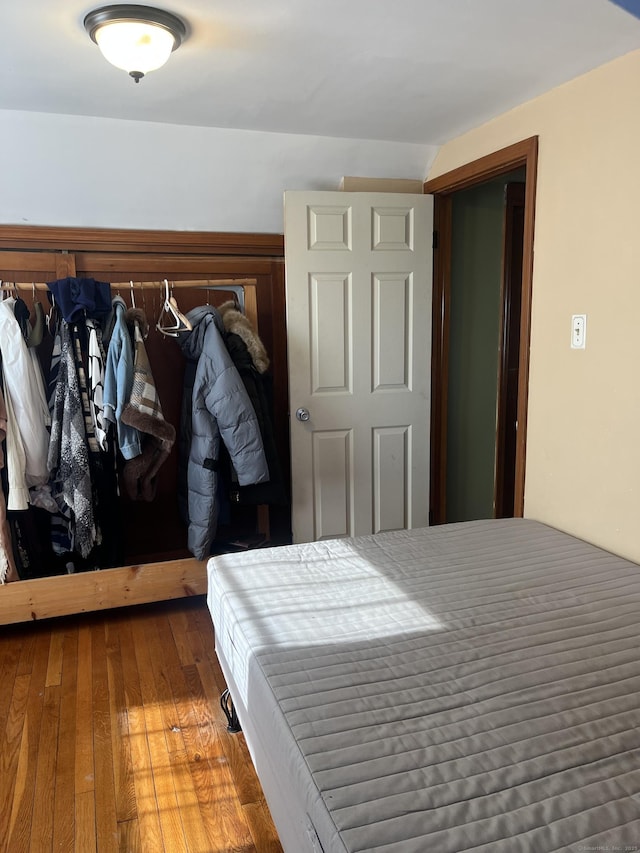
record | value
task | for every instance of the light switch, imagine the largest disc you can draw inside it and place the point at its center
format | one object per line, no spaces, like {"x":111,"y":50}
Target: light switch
{"x":578,"y":331}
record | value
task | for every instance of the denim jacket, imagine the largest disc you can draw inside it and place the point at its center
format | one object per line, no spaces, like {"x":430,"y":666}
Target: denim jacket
{"x":118,"y":382}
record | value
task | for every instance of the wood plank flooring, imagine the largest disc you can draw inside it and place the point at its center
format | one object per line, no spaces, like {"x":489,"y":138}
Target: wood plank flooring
{"x":112,"y":738}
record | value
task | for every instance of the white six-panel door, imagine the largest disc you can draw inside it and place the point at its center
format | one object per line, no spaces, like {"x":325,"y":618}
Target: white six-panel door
{"x":358,"y":279}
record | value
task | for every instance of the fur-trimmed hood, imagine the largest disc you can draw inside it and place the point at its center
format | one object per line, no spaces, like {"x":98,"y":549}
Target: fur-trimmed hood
{"x":137,"y":315}
{"x":236,"y":323}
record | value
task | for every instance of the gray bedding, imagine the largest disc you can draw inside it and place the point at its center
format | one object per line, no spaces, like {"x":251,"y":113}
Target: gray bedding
{"x":466,"y":687}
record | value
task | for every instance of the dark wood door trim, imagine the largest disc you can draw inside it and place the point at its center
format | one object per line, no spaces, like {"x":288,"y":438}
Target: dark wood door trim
{"x":524,"y":153}
{"x":509,"y":355}
{"x":440,"y":358}
{"x":485,"y":168}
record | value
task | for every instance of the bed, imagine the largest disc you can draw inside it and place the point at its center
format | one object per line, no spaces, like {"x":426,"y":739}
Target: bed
{"x":472,"y":686}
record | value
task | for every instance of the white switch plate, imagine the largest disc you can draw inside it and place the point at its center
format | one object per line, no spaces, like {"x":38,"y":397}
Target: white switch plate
{"x":578,"y":331}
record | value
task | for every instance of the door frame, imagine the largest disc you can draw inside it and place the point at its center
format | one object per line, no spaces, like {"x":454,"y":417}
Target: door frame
{"x":510,"y":295}
{"x":524,"y":153}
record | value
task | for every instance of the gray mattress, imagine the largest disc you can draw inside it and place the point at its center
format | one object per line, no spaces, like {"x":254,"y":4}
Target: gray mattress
{"x":467,"y":687}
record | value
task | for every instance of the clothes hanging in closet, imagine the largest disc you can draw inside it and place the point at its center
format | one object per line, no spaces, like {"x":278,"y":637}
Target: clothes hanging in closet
{"x":215,"y":407}
{"x":118,"y":381}
{"x":8,"y":569}
{"x":78,"y":298}
{"x":100,"y":398}
{"x":96,"y":359}
{"x":29,"y":496}
{"x":28,"y":438}
{"x":143,"y":411}
{"x":70,"y":522}
{"x":68,"y":450}
{"x":250,"y":358}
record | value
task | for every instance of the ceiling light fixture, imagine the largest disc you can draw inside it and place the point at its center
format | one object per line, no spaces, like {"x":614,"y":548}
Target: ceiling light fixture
{"x":137,"y":39}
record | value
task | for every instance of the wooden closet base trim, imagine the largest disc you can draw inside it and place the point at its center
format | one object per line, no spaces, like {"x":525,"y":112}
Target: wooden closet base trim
{"x":62,"y":595}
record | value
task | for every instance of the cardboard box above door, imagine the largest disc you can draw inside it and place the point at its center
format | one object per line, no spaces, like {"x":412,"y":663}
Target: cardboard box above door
{"x":380,"y":185}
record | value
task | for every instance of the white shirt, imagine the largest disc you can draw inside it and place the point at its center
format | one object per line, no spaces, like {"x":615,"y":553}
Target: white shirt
{"x":24,"y":388}
{"x":18,"y":496}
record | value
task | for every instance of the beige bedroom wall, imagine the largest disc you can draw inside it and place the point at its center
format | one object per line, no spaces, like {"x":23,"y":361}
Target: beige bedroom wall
{"x":583,"y":449}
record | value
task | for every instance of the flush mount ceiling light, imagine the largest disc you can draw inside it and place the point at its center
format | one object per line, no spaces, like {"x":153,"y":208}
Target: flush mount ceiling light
{"x":137,"y":39}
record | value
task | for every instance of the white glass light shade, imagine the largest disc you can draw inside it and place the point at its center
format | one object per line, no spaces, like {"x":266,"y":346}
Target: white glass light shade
{"x":135,"y":38}
{"x":134,"y":46}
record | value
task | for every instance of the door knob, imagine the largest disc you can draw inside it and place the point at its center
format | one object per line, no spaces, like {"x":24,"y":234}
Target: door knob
{"x":303,"y":414}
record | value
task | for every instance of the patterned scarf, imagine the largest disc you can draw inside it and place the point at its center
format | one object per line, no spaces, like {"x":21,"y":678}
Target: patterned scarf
{"x":68,"y":455}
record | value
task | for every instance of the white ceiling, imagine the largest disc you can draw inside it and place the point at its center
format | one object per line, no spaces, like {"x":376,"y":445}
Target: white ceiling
{"x":405,"y":70}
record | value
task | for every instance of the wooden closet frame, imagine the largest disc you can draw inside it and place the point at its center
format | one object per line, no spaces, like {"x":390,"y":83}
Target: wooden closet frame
{"x":40,"y":254}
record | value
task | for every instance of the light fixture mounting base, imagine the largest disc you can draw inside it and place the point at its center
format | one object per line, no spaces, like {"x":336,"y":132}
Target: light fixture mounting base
{"x":132,"y":12}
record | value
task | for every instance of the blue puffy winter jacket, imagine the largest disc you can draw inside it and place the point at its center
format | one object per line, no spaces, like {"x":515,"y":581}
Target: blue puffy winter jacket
{"x":215,"y":405}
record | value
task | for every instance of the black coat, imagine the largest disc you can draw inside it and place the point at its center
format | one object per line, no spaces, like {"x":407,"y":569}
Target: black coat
{"x":259,"y":388}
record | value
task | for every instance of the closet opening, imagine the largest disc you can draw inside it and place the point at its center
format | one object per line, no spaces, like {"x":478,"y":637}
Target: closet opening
{"x":201,"y":271}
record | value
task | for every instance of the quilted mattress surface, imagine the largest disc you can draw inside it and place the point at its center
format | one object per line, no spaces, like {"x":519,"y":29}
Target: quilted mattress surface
{"x":473,"y":686}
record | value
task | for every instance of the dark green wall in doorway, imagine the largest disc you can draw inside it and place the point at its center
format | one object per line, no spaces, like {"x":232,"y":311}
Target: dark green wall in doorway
{"x":476,"y":271}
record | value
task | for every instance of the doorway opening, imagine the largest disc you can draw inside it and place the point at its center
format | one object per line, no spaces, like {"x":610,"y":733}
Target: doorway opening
{"x":481,"y":322}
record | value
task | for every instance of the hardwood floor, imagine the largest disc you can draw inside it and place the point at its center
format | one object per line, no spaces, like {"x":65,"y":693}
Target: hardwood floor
{"x":112,"y":738}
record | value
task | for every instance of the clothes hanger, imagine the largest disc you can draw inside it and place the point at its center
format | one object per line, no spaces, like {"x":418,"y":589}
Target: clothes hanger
{"x":51,"y":316}
{"x":177,"y":322}
{"x":139,"y":314}
{"x":236,"y":289}
{"x":133,"y":299}
{"x":8,"y":289}
{"x":178,"y":313}
{"x":172,"y":325}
